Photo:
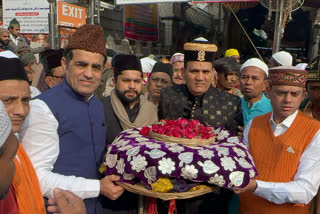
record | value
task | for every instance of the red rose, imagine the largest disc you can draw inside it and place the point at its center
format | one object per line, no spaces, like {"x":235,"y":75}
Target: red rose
{"x":182,"y":122}
{"x":155,"y":128}
{"x":145,"y":131}
{"x":188,"y":130}
{"x":176,"y":133}
{"x":170,"y":122}
{"x":166,"y":128}
{"x":183,"y":132}
{"x":160,"y":130}
{"x":191,"y":135}
{"x":194,"y":123}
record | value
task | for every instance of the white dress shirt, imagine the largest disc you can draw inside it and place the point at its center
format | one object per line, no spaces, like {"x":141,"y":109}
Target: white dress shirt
{"x":307,"y":178}
{"x":40,"y":140}
{"x":34,"y":91}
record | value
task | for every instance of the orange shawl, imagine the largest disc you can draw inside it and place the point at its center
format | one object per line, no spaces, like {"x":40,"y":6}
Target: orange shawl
{"x":26,"y":185}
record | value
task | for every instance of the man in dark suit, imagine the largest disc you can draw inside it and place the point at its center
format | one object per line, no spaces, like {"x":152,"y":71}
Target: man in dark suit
{"x":126,"y":108}
{"x":197,"y":99}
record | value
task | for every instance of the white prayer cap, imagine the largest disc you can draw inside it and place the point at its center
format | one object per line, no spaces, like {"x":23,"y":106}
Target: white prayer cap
{"x":201,"y":39}
{"x":5,"y":124}
{"x":302,"y":66}
{"x":147,"y":64}
{"x":255,"y":62}
{"x":283,"y":58}
{"x":8,"y":54}
{"x":177,"y":57}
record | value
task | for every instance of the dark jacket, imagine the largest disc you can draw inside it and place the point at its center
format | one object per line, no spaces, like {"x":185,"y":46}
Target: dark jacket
{"x":128,"y":202}
{"x":215,"y":107}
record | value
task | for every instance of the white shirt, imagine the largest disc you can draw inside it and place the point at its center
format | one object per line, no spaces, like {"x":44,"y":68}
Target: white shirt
{"x":14,"y":39}
{"x":40,"y":140}
{"x":307,"y":178}
{"x":34,"y":91}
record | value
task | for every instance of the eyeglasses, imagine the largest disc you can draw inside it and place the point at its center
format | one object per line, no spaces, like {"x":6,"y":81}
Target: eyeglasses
{"x":59,"y":77}
{"x":159,"y":80}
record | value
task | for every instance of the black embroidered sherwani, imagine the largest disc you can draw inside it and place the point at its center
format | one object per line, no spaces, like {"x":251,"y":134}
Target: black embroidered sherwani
{"x":215,"y":107}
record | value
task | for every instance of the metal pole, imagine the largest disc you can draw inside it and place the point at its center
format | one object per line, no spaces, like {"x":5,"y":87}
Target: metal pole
{"x":98,"y":11}
{"x":278,"y":32}
{"x":91,"y":11}
{"x":52,"y":30}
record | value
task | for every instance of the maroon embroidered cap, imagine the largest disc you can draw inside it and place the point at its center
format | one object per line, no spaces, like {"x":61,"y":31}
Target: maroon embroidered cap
{"x":89,"y":38}
{"x":287,"y":75}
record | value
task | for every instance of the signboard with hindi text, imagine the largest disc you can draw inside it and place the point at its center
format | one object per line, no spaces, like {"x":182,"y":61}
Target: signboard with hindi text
{"x":123,"y":2}
{"x":222,"y":1}
{"x":141,"y":22}
{"x":70,"y":15}
{"x":31,"y":14}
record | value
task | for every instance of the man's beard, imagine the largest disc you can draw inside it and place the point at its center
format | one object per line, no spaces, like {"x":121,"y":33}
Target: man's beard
{"x":127,"y":100}
{"x":4,"y":42}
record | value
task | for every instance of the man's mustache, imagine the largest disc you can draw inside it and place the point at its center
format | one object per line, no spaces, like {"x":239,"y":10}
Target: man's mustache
{"x":126,"y":91}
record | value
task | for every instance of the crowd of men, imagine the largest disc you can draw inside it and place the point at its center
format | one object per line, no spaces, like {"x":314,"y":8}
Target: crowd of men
{"x":52,"y":146}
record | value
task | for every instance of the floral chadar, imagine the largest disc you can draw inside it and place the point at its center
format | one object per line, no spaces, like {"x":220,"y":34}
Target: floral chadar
{"x":140,"y":157}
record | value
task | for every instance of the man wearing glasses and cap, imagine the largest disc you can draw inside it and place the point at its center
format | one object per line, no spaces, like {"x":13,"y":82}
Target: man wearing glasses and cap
{"x":160,"y":77}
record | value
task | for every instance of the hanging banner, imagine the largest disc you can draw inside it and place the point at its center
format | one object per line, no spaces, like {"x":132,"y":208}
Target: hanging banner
{"x":31,"y":14}
{"x":141,"y":22}
{"x":222,"y":1}
{"x":122,"y":2}
{"x":70,"y":15}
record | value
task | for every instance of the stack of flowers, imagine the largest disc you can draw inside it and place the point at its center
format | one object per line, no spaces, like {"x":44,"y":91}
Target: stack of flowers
{"x":181,"y":128}
{"x":182,"y":131}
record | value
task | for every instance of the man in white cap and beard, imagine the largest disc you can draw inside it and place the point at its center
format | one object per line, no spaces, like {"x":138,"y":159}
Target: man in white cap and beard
{"x":281,"y":58}
{"x":253,"y":82}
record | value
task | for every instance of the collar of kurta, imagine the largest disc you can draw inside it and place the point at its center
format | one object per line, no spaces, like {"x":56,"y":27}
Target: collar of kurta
{"x":286,"y":122}
{"x":262,"y":100}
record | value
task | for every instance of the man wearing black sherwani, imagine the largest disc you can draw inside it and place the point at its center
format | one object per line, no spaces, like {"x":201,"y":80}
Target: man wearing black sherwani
{"x":197,"y":99}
